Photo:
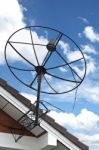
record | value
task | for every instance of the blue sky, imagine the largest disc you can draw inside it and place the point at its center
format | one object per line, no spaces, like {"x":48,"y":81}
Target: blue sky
{"x":80,"y":21}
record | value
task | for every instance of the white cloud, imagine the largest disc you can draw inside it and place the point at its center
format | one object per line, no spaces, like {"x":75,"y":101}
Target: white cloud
{"x":64,"y":118}
{"x":91,"y":140}
{"x":91,"y":34}
{"x":74,"y":55}
{"x":92,"y":92}
{"x":82,"y":124}
{"x":32,"y":22}
{"x":80,"y":72}
{"x":91,"y":67}
{"x":86,"y":120}
{"x":78,"y":66}
{"x":23,"y":8}
{"x":89,"y":91}
{"x":64,"y":46}
{"x":62,"y":69}
{"x":91,"y":64}
{"x":11,"y":18}
{"x":88,"y":49}
{"x":83,"y":19}
{"x":48,"y":77}
{"x":27,"y":50}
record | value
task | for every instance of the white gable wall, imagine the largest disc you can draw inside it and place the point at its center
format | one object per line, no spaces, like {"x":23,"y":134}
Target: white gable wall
{"x":45,"y":142}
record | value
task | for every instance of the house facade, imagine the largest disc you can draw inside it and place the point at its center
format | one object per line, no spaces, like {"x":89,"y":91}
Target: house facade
{"x":17,"y":130}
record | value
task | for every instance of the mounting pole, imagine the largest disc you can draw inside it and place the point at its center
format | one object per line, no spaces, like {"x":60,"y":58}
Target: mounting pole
{"x":38,"y":99}
{"x":40,"y":71}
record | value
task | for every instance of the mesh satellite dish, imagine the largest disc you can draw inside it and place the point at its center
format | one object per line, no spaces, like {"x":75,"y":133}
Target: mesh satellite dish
{"x":45,"y":60}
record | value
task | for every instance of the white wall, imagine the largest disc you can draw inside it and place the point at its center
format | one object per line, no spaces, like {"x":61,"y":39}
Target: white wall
{"x":45,"y":142}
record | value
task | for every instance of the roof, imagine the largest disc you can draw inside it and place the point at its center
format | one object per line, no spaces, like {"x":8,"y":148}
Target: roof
{"x":46,"y":118}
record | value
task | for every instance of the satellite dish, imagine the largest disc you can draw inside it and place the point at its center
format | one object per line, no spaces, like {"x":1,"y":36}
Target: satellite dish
{"x":45,"y":60}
